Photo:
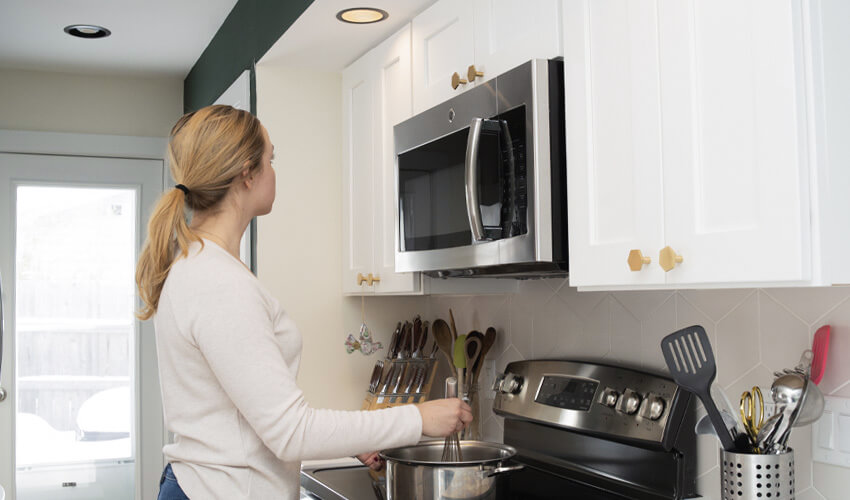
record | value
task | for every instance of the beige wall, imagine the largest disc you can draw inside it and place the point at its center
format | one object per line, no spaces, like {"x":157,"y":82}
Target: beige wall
{"x":59,"y":102}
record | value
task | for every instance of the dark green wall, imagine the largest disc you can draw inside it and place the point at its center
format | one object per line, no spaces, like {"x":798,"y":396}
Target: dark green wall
{"x":249,"y":31}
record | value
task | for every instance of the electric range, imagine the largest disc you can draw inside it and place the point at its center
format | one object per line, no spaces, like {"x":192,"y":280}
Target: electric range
{"x":583,"y":430}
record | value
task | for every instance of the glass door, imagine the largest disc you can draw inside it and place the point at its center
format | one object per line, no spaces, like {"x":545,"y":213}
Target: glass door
{"x":77,"y":372}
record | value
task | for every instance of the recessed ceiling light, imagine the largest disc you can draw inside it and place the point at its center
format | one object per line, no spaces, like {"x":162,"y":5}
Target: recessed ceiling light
{"x":87,"y":31}
{"x":362,"y":15}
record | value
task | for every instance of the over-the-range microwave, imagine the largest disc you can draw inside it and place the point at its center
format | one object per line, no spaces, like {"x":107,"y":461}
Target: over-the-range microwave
{"x":481,"y":179}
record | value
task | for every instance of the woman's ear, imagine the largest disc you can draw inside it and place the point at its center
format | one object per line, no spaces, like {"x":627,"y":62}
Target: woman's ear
{"x":246,"y":178}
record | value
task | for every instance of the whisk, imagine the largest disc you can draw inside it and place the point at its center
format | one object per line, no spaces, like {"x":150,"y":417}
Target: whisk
{"x":451,"y":447}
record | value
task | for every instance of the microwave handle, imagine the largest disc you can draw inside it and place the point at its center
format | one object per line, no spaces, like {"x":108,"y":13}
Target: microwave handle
{"x":473,"y":207}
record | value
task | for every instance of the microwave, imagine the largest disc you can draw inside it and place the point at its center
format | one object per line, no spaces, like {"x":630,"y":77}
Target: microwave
{"x":481,"y":179}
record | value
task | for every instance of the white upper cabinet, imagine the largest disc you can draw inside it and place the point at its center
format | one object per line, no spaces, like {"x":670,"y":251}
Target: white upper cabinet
{"x":357,"y":178}
{"x":735,"y":140}
{"x":442,"y":45}
{"x":376,"y":96}
{"x":509,"y":33}
{"x":697,"y":125}
{"x":394,"y":105}
{"x":491,"y":35}
{"x":614,"y":179}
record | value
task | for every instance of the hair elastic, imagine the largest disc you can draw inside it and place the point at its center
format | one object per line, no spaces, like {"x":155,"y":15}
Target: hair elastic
{"x":183,"y":188}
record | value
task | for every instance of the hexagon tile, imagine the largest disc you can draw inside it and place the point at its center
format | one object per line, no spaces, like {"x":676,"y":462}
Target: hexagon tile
{"x":753,"y":333}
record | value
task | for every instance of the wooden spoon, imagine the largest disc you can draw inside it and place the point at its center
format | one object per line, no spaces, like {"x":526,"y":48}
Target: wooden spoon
{"x":487,"y":343}
{"x":454,"y":328}
{"x":444,"y":340}
{"x":472,"y":350}
{"x":475,"y":365}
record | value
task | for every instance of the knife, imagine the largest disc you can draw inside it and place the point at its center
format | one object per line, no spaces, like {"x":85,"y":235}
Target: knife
{"x":392,"y":351}
{"x":404,"y":341}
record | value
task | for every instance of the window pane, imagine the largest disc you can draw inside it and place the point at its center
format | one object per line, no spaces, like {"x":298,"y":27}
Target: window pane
{"x":75,"y":329}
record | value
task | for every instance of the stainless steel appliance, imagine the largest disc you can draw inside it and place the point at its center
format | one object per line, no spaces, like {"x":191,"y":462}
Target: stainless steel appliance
{"x":482,"y":179}
{"x":581,"y":430}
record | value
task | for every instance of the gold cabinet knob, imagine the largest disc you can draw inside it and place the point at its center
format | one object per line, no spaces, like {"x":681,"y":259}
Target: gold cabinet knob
{"x":471,"y":73}
{"x":457,"y":80}
{"x":637,"y":260}
{"x":369,"y":280}
{"x":668,"y":258}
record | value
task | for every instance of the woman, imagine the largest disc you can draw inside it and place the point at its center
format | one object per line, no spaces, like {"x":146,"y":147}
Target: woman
{"x":228,"y":354}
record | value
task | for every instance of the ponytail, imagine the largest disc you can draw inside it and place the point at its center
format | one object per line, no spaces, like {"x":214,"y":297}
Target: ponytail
{"x":167,"y":233}
{"x":207,"y":150}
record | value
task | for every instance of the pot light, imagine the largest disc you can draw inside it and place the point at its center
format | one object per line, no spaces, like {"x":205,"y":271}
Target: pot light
{"x":87,"y":31}
{"x":362,"y":15}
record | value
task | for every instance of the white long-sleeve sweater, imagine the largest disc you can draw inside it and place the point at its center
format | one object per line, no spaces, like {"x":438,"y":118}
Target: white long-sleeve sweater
{"x":228,"y":361}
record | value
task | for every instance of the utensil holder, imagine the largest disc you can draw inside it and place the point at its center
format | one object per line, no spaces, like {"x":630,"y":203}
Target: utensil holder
{"x":749,"y":476}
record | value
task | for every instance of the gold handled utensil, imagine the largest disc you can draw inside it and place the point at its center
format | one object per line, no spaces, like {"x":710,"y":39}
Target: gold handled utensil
{"x":752,"y":414}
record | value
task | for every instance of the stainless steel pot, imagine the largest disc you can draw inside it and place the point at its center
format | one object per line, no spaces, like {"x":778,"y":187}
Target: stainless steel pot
{"x":417,"y":473}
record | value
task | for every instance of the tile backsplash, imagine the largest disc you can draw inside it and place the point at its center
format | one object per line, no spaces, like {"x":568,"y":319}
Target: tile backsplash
{"x":754,"y":332}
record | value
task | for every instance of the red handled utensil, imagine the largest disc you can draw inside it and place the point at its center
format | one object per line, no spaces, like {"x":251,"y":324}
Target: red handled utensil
{"x":820,"y":348}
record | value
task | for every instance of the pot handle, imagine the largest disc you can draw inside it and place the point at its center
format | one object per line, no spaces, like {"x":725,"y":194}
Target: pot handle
{"x":501,"y":470}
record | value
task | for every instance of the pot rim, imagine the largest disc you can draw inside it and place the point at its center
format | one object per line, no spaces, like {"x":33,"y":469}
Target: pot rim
{"x":464,"y":463}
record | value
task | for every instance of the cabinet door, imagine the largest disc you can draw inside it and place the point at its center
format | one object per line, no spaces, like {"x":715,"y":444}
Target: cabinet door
{"x":358,"y":139}
{"x":393,"y":104}
{"x":734,"y":128}
{"x":509,"y":33}
{"x":442,"y":45}
{"x":613,"y":132}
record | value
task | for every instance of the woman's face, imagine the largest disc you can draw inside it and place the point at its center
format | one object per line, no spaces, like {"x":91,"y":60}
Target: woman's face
{"x":264,"y":180}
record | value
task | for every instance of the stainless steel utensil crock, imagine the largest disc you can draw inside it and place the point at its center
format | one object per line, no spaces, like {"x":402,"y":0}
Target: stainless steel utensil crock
{"x":417,"y":473}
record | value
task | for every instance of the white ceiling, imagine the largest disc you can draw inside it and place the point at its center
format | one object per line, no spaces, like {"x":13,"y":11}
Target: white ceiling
{"x":156,"y":38}
{"x":164,"y":38}
{"x":317,"y":40}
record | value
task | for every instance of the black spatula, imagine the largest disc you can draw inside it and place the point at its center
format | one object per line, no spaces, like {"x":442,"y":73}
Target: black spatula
{"x":691,"y":362}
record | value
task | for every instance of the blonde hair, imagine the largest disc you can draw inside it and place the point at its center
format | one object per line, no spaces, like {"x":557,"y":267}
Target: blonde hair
{"x":207,"y":150}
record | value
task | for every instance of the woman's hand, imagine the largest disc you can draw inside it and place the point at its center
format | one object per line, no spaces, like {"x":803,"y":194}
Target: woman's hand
{"x":442,"y":417}
{"x":372,"y":459}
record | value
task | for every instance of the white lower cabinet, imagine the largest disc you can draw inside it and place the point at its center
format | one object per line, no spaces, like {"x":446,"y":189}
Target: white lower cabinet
{"x":376,"y":96}
{"x":701,"y":126}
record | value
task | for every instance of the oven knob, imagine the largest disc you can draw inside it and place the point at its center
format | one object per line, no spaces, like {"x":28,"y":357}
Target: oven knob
{"x":629,"y":403}
{"x":653,"y":407}
{"x":609,"y":397}
{"x":511,"y":384}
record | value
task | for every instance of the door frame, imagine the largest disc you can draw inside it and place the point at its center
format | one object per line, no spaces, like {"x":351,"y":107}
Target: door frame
{"x":149,"y":425}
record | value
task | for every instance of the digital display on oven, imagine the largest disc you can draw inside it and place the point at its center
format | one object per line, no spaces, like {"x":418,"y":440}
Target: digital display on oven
{"x":567,"y":392}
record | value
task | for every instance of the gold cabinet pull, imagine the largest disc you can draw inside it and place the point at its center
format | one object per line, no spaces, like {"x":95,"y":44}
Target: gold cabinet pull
{"x":457,"y":80}
{"x":668,"y":258}
{"x":472,"y":73}
{"x":370,"y":280}
{"x":637,"y":260}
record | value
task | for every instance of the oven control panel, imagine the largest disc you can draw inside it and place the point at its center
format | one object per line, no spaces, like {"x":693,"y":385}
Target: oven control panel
{"x":595,"y":398}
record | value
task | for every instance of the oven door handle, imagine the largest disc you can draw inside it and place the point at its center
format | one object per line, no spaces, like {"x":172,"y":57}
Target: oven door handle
{"x":473,"y":207}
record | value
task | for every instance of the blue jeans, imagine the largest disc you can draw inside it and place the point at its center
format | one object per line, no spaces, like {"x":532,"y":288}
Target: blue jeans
{"x":168,"y":487}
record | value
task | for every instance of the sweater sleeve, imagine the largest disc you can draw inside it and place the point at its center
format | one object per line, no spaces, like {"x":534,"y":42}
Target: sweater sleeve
{"x":235,"y":334}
